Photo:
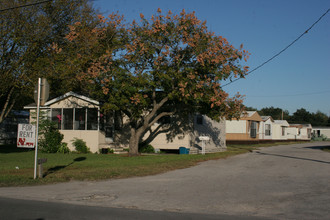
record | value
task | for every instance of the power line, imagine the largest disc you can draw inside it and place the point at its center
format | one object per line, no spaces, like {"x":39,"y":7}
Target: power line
{"x":26,"y":5}
{"x":273,"y":57}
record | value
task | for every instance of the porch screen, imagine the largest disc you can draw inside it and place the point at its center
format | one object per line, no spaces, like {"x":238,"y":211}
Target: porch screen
{"x":67,"y":119}
{"x":57,"y":117}
{"x":75,"y":118}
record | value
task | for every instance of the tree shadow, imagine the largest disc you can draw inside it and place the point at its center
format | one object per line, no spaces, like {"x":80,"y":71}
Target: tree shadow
{"x":319,"y":147}
{"x":291,"y":157}
{"x":57,"y":168}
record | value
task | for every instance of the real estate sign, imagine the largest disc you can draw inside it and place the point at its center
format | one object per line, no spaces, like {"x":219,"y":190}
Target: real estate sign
{"x":26,"y":135}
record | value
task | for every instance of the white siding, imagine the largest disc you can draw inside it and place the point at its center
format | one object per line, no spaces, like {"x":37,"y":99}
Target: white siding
{"x":236,"y":127}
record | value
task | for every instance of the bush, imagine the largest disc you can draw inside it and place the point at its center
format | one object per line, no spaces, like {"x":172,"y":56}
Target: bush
{"x":106,"y":151}
{"x":51,"y":138}
{"x":80,"y":146}
{"x":146,"y":148}
{"x":320,"y":138}
{"x":63,"y":149}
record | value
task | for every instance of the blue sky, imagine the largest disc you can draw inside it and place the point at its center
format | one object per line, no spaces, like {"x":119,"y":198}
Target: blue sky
{"x":298,"y":78}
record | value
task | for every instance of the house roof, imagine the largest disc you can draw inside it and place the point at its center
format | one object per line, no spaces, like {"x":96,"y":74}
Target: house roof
{"x":265,"y":118}
{"x":66,"y":95}
{"x":282,"y":122}
{"x":301,"y":125}
{"x":251,"y":115}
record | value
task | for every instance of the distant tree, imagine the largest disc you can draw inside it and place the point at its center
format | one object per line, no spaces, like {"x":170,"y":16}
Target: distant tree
{"x":276,"y":113}
{"x":250,"y":109}
{"x":26,"y":35}
{"x":301,"y":116}
{"x":319,"y":119}
{"x":167,"y":66}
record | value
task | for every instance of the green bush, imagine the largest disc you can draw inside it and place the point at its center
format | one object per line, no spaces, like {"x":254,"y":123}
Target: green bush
{"x":106,"y":151}
{"x":63,"y":149}
{"x":80,"y":146}
{"x":51,"y":138}
{"x":146,"y":148}
{"x":322,"y":137}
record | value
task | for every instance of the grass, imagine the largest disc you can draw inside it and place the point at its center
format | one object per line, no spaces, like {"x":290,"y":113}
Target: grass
{"x":17,"y":165}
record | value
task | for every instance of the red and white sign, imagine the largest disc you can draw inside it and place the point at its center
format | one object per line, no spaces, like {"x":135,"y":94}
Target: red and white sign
{"x":26,"y":135}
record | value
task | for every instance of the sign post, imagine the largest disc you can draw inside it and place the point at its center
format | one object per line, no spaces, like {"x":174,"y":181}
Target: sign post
{"x":203,"y":139}
{"x":41,"y":95}
{"x":37,"y":129}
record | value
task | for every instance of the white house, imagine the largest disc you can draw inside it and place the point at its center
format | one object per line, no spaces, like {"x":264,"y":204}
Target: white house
{"x":78,"y":116}
{"x":280,"y":130}
{"x":246,"y":129}
{"x":201,"y":129}
{"x":266,"y":128}
{"x":300,"y":132}
{"x":318,"y":131}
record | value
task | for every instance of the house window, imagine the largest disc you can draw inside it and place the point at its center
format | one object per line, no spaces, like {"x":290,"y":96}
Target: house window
{"x":267,"y":129}
{"x":56,"y":117}
{"x":67,"y":119}
{"x":283,"y":131}
{"x":75,"y":118}
{"x":253,"y":130}
{"x":199,"y":119}
{"x":92,"y":119}
{"x":79,"y":119}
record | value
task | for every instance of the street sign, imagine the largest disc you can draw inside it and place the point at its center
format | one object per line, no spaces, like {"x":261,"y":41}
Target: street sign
{"x":26,"y":135}
{"x":44,"y":92}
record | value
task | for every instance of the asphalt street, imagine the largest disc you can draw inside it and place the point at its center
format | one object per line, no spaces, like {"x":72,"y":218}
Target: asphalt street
{"x":281,"y":182}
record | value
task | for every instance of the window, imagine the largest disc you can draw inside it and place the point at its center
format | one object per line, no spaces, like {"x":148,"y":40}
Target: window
{"x":199,"y":119}
{"x":283,"y":131}
{"x":253,"y":131}
{"x":56,"y":116}
{"x":75,"y":118}
{"x":67,"y":119}
{"x":79,"y":119}
{"x":267,"y":129}
{"x":92,"y":119}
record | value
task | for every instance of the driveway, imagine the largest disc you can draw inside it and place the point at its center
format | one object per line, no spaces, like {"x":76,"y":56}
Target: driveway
{"x":281,"y":182}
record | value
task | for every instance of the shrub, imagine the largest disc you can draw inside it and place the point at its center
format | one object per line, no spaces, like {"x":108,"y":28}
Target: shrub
{"x":106,"y":151}
{"x":63,"y":149}
{"x":146,"y":148}
{"x":80,"y":146}
{"x":51,"y":138}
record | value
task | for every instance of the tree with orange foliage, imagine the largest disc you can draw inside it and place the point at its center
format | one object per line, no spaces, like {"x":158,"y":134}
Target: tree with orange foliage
{"x":169,"y":65}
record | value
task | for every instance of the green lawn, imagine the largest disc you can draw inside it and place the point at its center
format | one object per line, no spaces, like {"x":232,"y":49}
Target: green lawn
{"x":17,"y":165}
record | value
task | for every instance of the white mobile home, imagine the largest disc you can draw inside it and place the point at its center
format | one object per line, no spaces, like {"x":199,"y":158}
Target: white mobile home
{"x":266,"y":128}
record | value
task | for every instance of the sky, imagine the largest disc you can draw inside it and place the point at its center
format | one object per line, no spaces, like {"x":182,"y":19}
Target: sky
{"x":297,"y":78}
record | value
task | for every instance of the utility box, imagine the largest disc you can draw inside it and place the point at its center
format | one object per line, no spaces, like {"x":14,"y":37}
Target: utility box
{"x":184,"y":150}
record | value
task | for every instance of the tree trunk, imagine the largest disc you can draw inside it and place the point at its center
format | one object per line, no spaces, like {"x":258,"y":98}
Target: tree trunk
{"x":134,"y":143}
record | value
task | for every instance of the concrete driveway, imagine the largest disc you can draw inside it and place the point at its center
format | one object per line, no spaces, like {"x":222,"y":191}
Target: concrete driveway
{"x":281,"y":182}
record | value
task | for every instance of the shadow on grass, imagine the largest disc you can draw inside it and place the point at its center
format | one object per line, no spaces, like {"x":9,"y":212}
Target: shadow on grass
{"x":57,"y":168}
{"x":12,"y":148}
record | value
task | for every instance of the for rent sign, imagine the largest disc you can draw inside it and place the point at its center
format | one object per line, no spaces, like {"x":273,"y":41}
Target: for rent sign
{"x":26,"y":135}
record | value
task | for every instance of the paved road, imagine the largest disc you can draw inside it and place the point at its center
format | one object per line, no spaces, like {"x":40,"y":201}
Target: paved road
{"x":15,"y":209}
{"x":282,"y":182}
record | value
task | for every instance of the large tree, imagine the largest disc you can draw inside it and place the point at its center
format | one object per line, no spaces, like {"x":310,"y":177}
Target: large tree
{"x":169,"y":65}
{"x":26,"y":36}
